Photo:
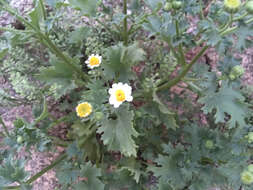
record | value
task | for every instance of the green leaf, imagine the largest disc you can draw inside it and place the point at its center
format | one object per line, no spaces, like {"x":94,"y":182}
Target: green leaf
{"x":67,"y":174}
{"x":226,"y":100}
{"x":3,"y":52}
{"x":120,"y":61}
{"x":12,"y":171}
{"x":87,"y":7}
{"x":78,"y":35}
{"x":169,"y":170}
{"x":61,"y":75}
{"x":243,"y":32}
{"x":37,"y":15}
{"x":86,"y":139}
{"x":97,"y":93}
{"x":168,"y":116}
{"x":154,"y":4}
{"x":117,"y":133}
{"x":90,"y":174}
{"x":133,"y":166}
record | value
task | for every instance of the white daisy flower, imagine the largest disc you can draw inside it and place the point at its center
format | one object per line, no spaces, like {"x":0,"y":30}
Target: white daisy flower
{"x":120,"y":93}
{"x":94,"y":61}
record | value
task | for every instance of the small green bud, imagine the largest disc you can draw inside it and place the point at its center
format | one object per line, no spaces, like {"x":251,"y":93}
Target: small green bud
{"x":232,"y":77}
{"x":250,"y":168}
{"x":177,"y":5}
{"x":247,"y":177}
{"x":20,"y":139}
{"x":99,"y":115}
{"x":250,"y":137}
{"x":209,"y":144}
{"x":249,"y":7}
{"x":138,"y":114}
{"x":167,"y":6}
{"x":75,"y":164}
{"x":236,"y":72}
{"x":232,"y":6}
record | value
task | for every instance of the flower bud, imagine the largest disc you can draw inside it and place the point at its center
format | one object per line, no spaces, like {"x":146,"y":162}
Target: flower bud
{"x":209,"y":144}
{"x":99,"y":115}
{"x":232,"y":6}
{"x":167,"y":6}
{"x":177,"y":5}
{"x":250,"y":168}
{"x":250,"y":137}
{"x":20,"y":139}
{"x":247,"y":177}
{"x":236,"y":72}
{"x":249,"y":7}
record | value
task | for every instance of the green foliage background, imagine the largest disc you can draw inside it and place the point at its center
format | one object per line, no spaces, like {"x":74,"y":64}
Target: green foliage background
{"x":145,"y":144}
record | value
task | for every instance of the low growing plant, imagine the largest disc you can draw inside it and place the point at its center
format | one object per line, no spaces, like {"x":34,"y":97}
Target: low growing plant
{"x":147,"y":108}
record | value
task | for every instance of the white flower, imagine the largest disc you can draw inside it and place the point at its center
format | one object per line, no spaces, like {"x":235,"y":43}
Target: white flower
{"x":120,"y":93}
{"x":93,"y":61}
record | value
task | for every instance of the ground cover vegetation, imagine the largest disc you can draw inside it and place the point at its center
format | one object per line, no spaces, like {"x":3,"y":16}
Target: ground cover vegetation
{"x":143,"y":106}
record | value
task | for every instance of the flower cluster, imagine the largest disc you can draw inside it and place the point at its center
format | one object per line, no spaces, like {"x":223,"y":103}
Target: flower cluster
{"x":119,"y":92}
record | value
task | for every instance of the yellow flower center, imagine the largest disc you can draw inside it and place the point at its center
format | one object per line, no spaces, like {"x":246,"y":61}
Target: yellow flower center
{"x":94,"y":61}
{"x":84,"y":109}
{"x":232,"y":3}
{"x":120,"y":95}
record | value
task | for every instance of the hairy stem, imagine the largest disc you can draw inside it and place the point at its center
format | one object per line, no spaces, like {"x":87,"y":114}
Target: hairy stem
{"x":180,"y":46}
{"x":125,"y":23}
{"x":5,"y":128}
{"x":232,"y":29}
{"x":183,"y":73}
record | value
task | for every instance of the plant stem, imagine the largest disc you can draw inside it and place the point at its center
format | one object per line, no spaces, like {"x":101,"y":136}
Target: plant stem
{"x":5,"y":128}
{"x":241,"y":17}
{"x":42,"y":172}
{"x":183,"y":73}
{"x":125,"y":23}
{"x":228,"y":23}
{"x":58,"y":121}
{"x":44,"y":113}
{"x":232,"y":29}
{"x":181,"y":52}
{"x":43,"y":9}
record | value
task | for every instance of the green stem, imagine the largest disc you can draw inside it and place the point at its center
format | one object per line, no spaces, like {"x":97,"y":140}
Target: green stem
{"x":44,"y":113}
{"x":181,"y":52}
{"x":228,"y":23}
{"x":232,"y":29}
{"x":5,"y":128}
{"x":42,"y":172}
{"x":125,"y":23}
{"x":43,"y":9}
{"x":183,"y":73}
{"x":241,"y":17}
{"x":171,"y":48}
{"x":59,"y":142}
{"x":58,"y":121}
